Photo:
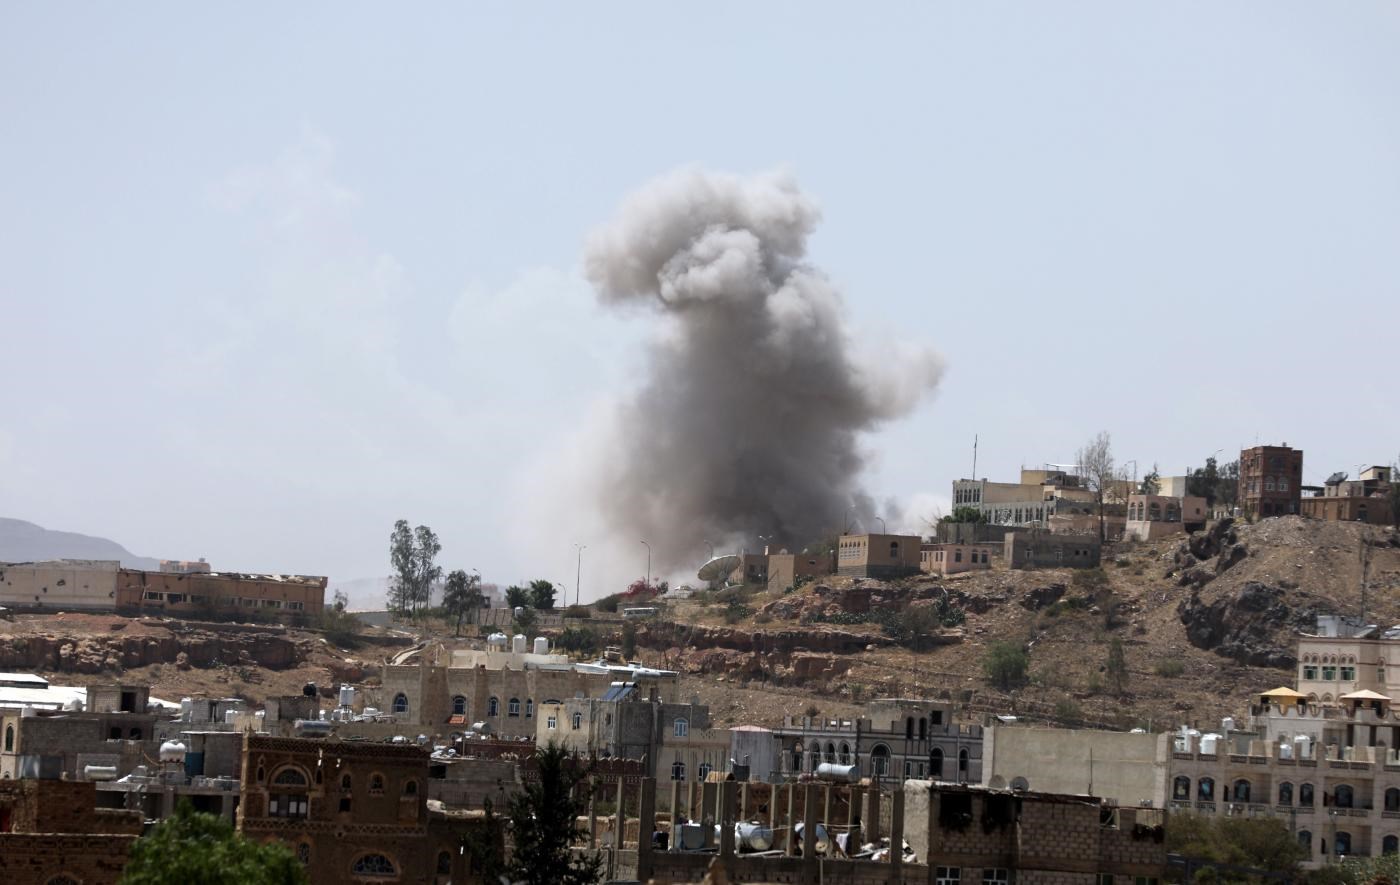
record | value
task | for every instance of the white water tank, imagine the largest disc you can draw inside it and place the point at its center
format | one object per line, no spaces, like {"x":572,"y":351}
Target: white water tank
{"x":27,"y":711}
{"x":842,"y":774}
{"x":1227,"y":724}
{"x":172,"y":751}
{"x":541,"y":645}
{"x":497,"y":642}
{"x":1303,"y":744}
{"x":186,"y":709}
{"x":1208,"y":742}
{"x":1285,"y":750}
{"x":518,"y":643}
{"x":99,"y":772}
{"x":347,"y":695}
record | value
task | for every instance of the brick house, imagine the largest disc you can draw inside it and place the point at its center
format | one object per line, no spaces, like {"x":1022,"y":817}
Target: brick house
{"x":1271,"y":481}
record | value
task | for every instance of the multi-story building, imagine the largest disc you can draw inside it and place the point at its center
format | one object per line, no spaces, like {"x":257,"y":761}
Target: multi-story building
{"x":115,"y":728}
{"x":185,"y":566}
{"x":52,"y":833}
{"x":952,"y":559}
{"x":503,"y":688}
{"x":1159,"y":516}
{"x":878,"y":556}
{"x":896,"y":740}
{"x":60,"y":585}
{"x":196,"y":594}
{"x":1271,"y":481}
{"x":1039,"y":496}
{"x":675,"y":741}
{"x":352,"y":811}
{"x":1360,"y":500}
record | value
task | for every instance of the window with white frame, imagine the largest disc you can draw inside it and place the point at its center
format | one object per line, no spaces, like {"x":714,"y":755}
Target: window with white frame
{"x":948,"y":875}
{"x":996,"y":876}
{"x":681,"y":728}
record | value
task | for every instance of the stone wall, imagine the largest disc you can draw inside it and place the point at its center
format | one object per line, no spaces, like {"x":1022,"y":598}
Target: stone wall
{"x":34,"y":858}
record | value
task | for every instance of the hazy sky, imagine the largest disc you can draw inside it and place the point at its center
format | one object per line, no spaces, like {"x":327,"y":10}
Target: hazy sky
{"x":276,"y":276}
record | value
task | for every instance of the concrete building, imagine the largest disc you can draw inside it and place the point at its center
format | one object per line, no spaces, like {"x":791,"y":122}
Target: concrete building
{"x":1271,"y":481}
{"x":1160,"y":516}
{"x":352,"y":811}
{"x":52,"y":833}
{"x":973,"y":834}
{"x":786,"y":569}
{"x":952,"y":559}
{"x":59,"y":585}
{"x":1040,"y":495}
{"x":185,"y":566}
{"x":674,"y":741}
{"x":1036,"y":549}
{"x":202,"y":768}
{"x":20,"y":690}
{"x":878,"y":556}
{"x":196,"y":594}
{"x":502,"y":688}
{"x":896,"y":740}
{"x":1362,"y":500}
{"x":115,"y":729}
{"x":1124,"y":767}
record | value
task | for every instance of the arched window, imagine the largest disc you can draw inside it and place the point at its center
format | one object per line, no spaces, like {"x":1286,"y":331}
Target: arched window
{"x":797,"y":756}
{"x":909,"y":728}
{"x":304,"y":853}
{"x":493,"y":707}
{"x":513,"y":707}
{"x":1392,"y":799}
{"x":1390,"y":845}
{"x":678,"y":770}
{"x":704,"y":770}
{"x":63,"y":879}
{"x":894,"y":550}
{"x":9,"y":738}
{"x":1285,"y":793}
{"x":923,"y":729}
{"x":1181,"y":788}
{"x":400,"y":704}
{"x":845,"y":753}
{"x":1241,"y":790}
{"x":1343,"y":797}
{"x":289,"y":777}
{"x":680,"y":728}
{"x":410,"y":788}
{"x":287,"y":793}
{"x":376,"y":784}
{"x":1305,"y":795}
{"x":1341,"y":843}
{"x":880,"y":760}
{"x":459,"y":705}
{"x":529,"y":707}
{"x":577,"y":721}
{"x":374,"y":866}
{"x":1305,"y":840}
{"x":346,"y":783}
{"x":935,"y":763}
{"x":1154,"y":511}
{"x":1205,"y":789}
{"x":962,"y":764}
{"x":444,"y":864}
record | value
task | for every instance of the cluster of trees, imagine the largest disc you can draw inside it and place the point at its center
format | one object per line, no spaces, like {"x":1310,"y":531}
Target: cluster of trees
{"x":191,"y":846}
{"x":1257,"y":843}
{"x":1216,"y":483}
{"x":538,"y":594}
{"x":413,"y":555}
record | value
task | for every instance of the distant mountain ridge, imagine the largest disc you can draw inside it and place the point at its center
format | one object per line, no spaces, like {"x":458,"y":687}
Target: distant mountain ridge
{"x":22,"y":541}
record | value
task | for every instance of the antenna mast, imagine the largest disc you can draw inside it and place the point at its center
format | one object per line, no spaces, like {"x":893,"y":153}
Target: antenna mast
{"x":974,"y":456}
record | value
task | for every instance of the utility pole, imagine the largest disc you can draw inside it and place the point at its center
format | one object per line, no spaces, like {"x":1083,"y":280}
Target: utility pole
{"x":648,"y":546}
{"x":974,"y":457}
{"x":578,"y":573}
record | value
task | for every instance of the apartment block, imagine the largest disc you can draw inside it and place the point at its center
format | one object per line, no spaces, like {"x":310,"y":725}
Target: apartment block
{"x":1271,"y":481}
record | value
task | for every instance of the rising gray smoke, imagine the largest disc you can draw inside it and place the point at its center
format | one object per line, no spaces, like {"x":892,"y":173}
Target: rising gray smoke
{"x":748,"y":419}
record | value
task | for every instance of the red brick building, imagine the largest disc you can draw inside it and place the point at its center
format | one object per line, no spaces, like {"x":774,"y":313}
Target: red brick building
{"x":52,"y":831}
{"x":1271,"y":481}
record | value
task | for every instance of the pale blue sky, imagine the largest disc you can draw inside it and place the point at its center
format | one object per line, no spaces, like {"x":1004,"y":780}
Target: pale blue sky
{"x":277,"y":275}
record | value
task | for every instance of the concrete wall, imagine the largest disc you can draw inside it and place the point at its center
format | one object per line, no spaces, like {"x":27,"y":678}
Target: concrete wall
{"x":1130,"y":769}
{"x":60,"y":585}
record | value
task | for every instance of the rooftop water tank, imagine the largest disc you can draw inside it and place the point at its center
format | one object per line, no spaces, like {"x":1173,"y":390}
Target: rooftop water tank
{"x":172,"y":751}
{"x":186,"y":709}
{"x":1208,"y":742}
{"x":497,"y":641}
{"x":347,"y":695}
{"x":518,"y":643}
{"x":541,"y":645}
{"x":842,"y":774}
{"x":27,"y":711}
{"x":100,"y":772}
{"x":753,"y":837}
{"x":1227,"y":724}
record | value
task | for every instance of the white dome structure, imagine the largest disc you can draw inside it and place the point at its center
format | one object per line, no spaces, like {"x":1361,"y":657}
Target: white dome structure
{"x":172,"y":751}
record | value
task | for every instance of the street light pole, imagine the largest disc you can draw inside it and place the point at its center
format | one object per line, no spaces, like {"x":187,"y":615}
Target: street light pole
{"x":648,"y":546}
{"x":883,"y":530}
{"x":712,"y":550}
{"x":578,"y":574}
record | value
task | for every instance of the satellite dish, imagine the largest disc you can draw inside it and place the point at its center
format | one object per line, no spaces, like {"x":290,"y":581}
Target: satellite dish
{"x":718,"y":568}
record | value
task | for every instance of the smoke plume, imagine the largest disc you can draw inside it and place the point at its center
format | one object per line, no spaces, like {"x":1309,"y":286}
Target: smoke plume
{"x":748,"y":420}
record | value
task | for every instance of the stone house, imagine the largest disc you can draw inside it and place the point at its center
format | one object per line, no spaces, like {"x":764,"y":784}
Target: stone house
{"x":52,"y":833}
{"x":896,"y":740}
{"x":117,"y":727}
{"x":1271,"y":481}
{"x":1159,"y":516}
{"x":952,"y":559}
{"x":1038,"y":549}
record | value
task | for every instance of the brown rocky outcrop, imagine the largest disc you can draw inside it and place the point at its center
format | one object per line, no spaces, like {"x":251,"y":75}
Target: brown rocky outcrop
{"x":115,"y":653}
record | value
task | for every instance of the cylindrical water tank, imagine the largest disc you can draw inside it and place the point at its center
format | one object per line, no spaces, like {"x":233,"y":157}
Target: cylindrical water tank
{"x":1285,"y":750}
{"x":844,"y":774}
{"x":1227,"y":724}
{"x":541,"y":645}
{"x":754,"y":837}
{"x":172,"y":751}
{"x":230,"y":715}
{"x":518,"y":643}
{"x":822,"y":840}
{"x":347,"y":695}
{"x":100,"y":772}
{"x":1303,"y":745}
{"x":1208,"y":742}
{"x":497,"y":641}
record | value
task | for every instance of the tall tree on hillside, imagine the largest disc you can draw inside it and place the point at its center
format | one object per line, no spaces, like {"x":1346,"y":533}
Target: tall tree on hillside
{"x":1151,"y":483}
{"x":1393,"y":496}
{"x":461,"y":595}
{"x":542,"y":595}
{"x":402,"y":560}
{"x":1095,"y":461}
{"x":426,"y":570}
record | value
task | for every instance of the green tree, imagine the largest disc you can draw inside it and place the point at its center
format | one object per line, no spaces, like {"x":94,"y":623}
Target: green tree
{"x":629,"y":640}
{"x":1005,"y":665}
{"x":426,"y":570}
{"x":544,"y":823}
{"x":517,"y":596}
{"x":542,"y":595}
{"x":402,"y":560}
{"x":1393,"y":496}
{"x":1095,"y":462}
{"x":527,"y":622}
{"x":1260,"y":842}
{"x":1116,"y":668}
{"x":190,"y":847}
{"x":1151,"y":483}
{"x":965,"y":513}
{"x":461,"y":595}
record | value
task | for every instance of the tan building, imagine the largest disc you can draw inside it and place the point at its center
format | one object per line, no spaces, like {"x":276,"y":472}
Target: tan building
{"x":674,"y":741}
{"x":1362,"y":500}
{"x":502,"y":689}
{"x":878,"y":556}
{"x":1160,"y":516}
{"x":59,"y":585}
{"x":1037,"y":549}
{"x":196,"y":594}
{"x":952,"y":559}
{"x":116,"y":728}
{"x":1125,"y":767}
{"x":351,"y":811}
{"x":785,"y":569}
{"x":185,"y":566}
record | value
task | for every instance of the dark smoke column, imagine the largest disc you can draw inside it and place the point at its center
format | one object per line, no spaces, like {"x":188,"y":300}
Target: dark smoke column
{"x":748,"y":418}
